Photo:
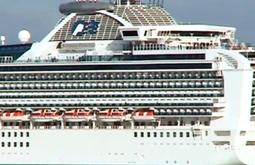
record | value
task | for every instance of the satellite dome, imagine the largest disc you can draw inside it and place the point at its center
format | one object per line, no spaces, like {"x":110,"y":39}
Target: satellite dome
{"x":24,"y":36}
{"x":2,"y":38}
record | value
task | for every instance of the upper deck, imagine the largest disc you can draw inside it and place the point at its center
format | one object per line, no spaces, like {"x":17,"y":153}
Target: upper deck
{"x":110,"y":30}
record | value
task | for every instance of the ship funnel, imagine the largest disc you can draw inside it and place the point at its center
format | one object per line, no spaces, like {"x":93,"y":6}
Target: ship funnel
{"x":85,"y":7}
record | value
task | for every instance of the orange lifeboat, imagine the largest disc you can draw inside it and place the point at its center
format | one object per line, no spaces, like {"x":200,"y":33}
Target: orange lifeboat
{"x":45,"y":115}
{"x":17,"y":115}
{"x":78,"y":115}
{"x":112,"y":115}
{"x":144,"y":115}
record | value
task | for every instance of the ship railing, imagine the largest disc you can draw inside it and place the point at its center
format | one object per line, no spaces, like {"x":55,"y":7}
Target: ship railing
{"x":156,"y":47}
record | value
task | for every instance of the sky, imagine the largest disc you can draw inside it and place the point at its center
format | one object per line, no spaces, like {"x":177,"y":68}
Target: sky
{"x":40,"y":16}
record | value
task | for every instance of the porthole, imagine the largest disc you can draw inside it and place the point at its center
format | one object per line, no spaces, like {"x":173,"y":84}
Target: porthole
{"x":161,"y":134}
{"x":148,"y":134}
{"x":135,"y":134}
{"x":174,"y":134}
{"x":155,"y":134}
{"x":27,"y":144}
{"x":181,"y":134}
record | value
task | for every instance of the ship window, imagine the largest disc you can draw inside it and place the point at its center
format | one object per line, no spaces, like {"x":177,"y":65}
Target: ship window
{"x":130,"y":33}
{"x":27,"y":144}
{"x":15,"y":144}
{"x":142,"y":134}
{"x":207,"y":123}
{"x":174,"y":134}
{"x":21,"y":134}
{"x":187,"y":134}
{"x":9,"y":144}
{"x":9,"y":134}
{"x":242,"y":133}
{"x":155,"y":134}
{"x":161,"y":134}
{"x":135,"y":134}
{"x":27,"y":134}
{"x":181,"y":134}
{"x":2,"y":144}
{"x":21,"y":144}
{"x":148,"y":134}
{"x":168,"y":134}
{"x":3,"y":134}
{"x":250,"y":143}
{"x":145,"y":33}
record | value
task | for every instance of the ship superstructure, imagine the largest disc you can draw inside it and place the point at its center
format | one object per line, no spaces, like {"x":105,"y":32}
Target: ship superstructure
{"x":123,"y":83}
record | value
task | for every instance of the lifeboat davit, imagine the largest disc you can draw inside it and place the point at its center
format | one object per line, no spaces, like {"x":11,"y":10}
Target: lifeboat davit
{"x":78,"y":115}
{"x":143,"y":115}
{"x":112,"y":115}
{"x":17,"y":115}
{"x":45,"y":115}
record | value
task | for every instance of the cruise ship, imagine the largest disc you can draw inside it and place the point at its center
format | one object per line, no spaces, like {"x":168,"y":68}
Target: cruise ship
{"x":122,"y":83}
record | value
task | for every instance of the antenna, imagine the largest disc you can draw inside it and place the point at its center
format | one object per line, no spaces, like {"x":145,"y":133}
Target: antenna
{"x":3,"y":38}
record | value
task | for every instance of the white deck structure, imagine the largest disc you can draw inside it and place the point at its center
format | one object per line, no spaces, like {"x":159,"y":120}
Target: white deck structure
{"x":123,"y":83}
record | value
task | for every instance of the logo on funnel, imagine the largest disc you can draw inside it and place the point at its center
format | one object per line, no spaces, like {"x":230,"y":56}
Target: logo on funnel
{"x":82,"y":27}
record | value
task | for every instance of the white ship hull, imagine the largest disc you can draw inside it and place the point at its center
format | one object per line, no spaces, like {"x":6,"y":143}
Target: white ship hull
{"x":126,"y":85}
{"x":120,"y":147}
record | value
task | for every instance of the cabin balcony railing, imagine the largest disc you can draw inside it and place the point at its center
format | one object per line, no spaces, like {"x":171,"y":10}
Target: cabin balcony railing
{"x":156,"y":47}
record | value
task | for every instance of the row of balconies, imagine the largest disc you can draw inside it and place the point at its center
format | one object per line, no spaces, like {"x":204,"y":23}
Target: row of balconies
{"x":117,"y":102}
{"x":111,"y":76}
{"x":156,"y":93}
{"x":89,"y":85}
{"x":111,"y":96}
{"x":188,"y":111}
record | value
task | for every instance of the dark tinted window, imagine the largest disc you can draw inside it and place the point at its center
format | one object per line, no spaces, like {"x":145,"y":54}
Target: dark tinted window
{"x":107,"y":67}
{"x":130,"y":33}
